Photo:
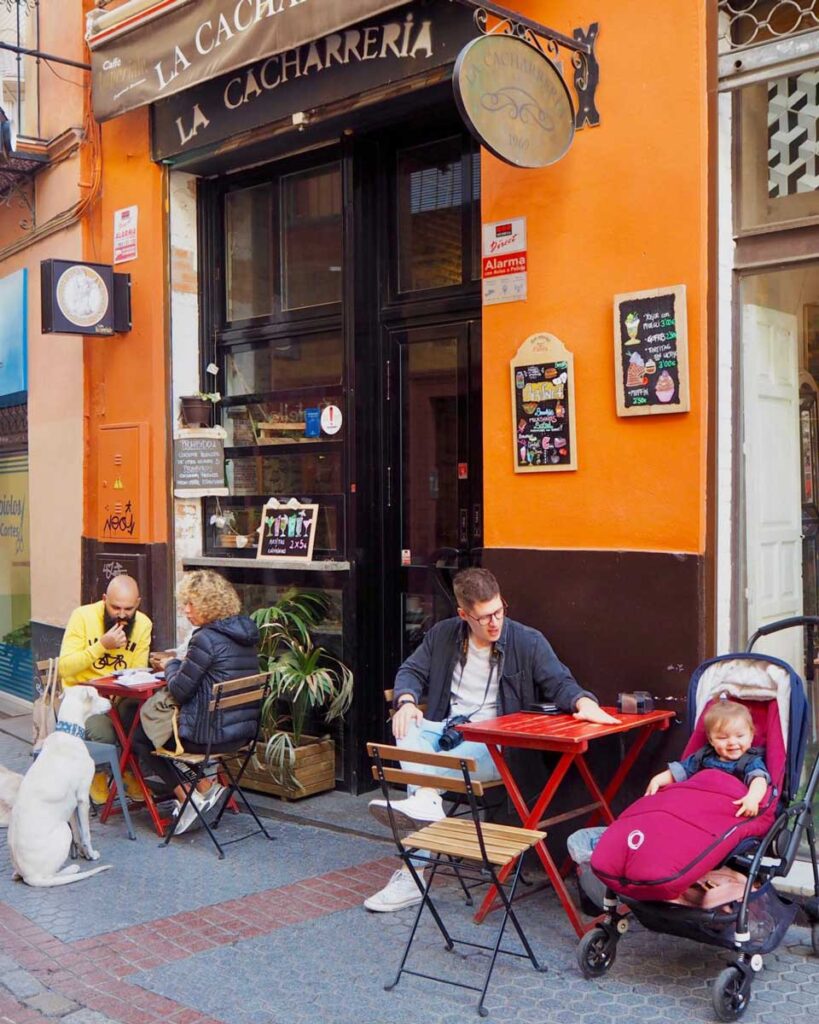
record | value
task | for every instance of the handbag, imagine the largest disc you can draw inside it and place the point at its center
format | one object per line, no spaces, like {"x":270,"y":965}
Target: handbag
{"x":44,"y":711}
{"x":158,"y":716}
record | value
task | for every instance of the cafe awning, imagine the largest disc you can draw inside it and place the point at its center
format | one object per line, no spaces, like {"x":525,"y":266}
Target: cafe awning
{"x":145,"y":50}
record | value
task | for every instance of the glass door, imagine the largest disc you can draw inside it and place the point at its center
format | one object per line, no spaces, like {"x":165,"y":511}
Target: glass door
{"x":434,"y":487}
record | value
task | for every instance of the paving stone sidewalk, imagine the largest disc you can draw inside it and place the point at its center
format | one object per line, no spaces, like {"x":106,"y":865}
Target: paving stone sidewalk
{"x":275,"y":934}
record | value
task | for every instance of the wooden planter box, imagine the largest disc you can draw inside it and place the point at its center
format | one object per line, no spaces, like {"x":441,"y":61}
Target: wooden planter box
{"x":315,"y":770}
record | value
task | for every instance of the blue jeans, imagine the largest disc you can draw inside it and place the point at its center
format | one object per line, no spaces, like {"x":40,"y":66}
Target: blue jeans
{"x":426,"y":737}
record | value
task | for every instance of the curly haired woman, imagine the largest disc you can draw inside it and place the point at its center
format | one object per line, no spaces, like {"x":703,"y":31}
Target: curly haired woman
{"x":224,"y":645}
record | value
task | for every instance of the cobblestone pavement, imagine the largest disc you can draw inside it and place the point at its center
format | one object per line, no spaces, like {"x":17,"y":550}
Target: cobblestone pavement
{"x":276,"y":933}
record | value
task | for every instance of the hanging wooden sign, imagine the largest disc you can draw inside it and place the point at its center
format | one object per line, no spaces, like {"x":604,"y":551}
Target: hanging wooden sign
{"x":544,"y":423}
{"x":288,"y":530}
{"x":651,"y":352}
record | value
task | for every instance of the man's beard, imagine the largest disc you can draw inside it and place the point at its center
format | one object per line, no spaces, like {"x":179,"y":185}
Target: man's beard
{"x":127,"y":624}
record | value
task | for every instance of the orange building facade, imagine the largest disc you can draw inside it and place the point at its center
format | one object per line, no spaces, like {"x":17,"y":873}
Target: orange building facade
{"x":318,"y":244}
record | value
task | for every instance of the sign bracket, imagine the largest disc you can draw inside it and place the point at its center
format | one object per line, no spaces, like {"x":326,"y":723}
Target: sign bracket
{"x":581,"y":45}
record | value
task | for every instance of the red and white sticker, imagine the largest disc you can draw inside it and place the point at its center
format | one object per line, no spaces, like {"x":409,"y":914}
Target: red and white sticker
{"x":331,"y":419}
{"x":505,"y":262}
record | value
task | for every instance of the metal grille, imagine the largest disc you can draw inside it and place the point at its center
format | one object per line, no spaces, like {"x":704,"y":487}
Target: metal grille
{"x":746,"y":22}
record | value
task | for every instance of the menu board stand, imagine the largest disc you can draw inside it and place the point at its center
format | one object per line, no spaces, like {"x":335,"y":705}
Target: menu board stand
{"x":651,"y":352}
{"x":287,"y":531}
{"x":544,"y":431}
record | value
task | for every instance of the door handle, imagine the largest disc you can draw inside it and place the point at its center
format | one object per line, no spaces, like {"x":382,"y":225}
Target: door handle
{"x":463,"y":536}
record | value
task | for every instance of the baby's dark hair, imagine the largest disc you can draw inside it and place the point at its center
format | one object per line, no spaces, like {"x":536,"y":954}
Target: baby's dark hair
{"x":725,"y":712}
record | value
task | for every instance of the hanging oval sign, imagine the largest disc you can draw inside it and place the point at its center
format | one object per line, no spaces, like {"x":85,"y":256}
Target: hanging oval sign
{"x":514,"y":100}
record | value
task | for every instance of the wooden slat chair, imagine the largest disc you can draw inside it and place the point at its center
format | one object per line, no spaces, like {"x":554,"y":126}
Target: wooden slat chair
{"x":458,"y":803}
{"x":455,"y":846}
{"x":191,"y":768}
{"x":102,"y":754}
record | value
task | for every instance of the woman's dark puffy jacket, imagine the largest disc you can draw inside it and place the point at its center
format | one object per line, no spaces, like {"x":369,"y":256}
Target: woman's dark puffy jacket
{"x":221,"y":650}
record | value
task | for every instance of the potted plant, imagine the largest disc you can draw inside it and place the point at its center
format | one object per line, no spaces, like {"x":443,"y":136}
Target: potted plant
{"x":306,"y":682}
{"x":196,"y":410}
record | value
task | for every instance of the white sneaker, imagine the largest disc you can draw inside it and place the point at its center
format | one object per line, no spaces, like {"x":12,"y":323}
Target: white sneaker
{"x":189,"y":816}
{"x":398,"y":894}
{"x":212,"y":798}
{"x":421,"y":808}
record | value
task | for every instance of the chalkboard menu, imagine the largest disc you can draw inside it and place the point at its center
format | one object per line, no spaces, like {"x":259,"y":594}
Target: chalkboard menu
{"x":288,"y":530}
{"x":651,"y":352}
{"x":199,"y":462}
{"x":543,"y":406}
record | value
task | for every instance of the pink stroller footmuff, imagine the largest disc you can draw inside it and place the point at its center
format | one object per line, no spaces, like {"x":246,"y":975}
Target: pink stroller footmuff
{"x":662,"y":844}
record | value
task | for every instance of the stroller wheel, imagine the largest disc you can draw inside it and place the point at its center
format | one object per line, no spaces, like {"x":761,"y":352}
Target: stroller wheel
{"x":731,"y":994}
{"x":596,"y":952}
{"x":814,"y":937}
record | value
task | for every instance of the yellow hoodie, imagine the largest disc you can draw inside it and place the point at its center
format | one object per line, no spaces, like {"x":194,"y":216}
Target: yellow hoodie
{"x":82,"y":656}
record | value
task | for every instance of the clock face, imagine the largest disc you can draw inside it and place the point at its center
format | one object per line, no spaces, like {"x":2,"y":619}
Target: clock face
{"x":82,"y":296}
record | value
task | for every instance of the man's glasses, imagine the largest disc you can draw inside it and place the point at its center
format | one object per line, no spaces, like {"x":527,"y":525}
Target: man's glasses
{"x":496,"y":616}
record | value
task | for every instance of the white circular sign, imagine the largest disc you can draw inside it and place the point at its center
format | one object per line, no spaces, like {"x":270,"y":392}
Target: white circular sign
{"x":82,"y":296}
{"x":331,"y":419}
{"x":635,"y":839}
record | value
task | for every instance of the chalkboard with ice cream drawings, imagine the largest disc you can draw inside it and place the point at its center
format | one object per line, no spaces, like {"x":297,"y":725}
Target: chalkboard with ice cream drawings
{"x":543,"y":416}
{"x":651,"y":352}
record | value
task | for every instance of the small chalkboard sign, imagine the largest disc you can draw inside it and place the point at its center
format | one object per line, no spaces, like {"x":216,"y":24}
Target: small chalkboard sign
{"x":543,"y":406}
{"x":651,"y":352}
{"x":288,"y":530}
{"x":199,"y":462}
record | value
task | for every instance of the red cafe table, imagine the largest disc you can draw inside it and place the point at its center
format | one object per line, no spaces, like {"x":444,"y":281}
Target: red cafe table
{"x":110,"y":687}
{"x":564,"y":735}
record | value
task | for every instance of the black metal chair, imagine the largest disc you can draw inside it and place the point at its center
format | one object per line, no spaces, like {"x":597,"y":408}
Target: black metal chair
{"x":456,"y":846}
{"x":191,"y":768}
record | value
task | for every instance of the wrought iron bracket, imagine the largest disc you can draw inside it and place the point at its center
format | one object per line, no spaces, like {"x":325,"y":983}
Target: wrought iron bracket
{"x":15,"y":193}
{"x":581,"y":46}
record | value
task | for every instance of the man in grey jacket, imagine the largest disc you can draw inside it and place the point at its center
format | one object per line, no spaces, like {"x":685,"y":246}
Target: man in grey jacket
{"x":478,"y":665}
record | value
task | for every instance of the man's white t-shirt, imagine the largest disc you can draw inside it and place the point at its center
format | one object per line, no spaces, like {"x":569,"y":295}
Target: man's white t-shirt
{"x":469,"y":685}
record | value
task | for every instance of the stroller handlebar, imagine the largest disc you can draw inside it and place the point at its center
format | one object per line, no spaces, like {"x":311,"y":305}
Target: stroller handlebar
{"x":775,"y":627}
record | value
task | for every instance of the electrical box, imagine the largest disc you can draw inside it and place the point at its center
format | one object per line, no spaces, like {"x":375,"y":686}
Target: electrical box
{"x":123,"y":483}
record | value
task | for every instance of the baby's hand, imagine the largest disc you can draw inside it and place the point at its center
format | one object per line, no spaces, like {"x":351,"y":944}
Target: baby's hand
{"x":655,"y":785}
{"x":748,"y":806}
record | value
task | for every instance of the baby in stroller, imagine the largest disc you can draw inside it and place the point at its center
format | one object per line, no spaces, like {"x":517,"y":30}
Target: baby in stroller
{"x":729,"y":727}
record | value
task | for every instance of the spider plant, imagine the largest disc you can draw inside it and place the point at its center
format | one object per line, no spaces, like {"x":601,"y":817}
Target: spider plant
{"x":304,"y":677}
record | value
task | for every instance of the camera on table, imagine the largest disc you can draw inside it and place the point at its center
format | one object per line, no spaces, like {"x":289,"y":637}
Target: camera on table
{"x":450,"y":737}
{"x":640,"y":702}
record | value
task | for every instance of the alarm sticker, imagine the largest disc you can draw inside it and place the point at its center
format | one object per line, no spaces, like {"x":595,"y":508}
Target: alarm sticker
{"x":331,"y":419}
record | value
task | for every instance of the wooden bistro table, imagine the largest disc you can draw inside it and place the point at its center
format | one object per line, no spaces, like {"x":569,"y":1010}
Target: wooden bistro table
{"x":564,"y":735}
{"x":109,"y":686}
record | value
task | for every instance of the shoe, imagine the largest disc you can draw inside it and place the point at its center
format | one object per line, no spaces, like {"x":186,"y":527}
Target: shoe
{"x":212,"y":799}
{"x":421,"y":808}
{"x":189,"y":817}
{"x":398,"y":894}
{"x":99,"y":788}
{"x":133,"y":790}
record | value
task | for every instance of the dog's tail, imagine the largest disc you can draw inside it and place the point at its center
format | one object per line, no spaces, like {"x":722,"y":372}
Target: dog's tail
{"x":65,"y":879}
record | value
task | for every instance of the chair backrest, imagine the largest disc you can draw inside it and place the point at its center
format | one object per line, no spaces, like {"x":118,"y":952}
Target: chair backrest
{"x":381,"y":753}
{"x":234,"y":693}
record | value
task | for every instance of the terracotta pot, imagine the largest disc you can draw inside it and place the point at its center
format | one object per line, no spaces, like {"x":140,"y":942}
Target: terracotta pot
{"x":196,"y":411}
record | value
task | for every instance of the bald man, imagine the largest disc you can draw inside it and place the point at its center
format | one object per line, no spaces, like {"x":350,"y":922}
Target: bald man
{"x":100,"y":638}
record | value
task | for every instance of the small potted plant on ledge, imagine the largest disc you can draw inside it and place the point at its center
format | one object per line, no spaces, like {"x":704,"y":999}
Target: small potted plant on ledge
{"x":197,"y":410}
{"x":307,"y":683}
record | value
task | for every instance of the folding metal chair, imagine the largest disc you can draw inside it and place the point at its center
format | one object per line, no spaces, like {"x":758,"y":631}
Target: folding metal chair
{"x":456,"y":846}
{"x":250,"y":690}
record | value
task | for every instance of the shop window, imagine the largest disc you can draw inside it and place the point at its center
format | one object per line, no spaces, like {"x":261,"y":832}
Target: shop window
{"x":778,"y":152}
{"x":311,"y":237}
{"x":430,"y":216}
{"x":249,"y":252}
{"x":308,"y":361}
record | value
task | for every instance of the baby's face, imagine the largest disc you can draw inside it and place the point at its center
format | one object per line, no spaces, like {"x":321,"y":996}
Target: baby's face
{"x":731,"y":740}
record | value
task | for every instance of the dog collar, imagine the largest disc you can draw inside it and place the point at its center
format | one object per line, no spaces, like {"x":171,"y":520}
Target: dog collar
{"x":71,"y":728}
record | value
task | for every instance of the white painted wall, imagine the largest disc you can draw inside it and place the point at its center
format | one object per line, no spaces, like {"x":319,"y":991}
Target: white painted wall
{"x":184,"y":352}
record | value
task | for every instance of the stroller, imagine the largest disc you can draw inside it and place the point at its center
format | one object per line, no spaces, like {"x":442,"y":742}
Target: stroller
{"x":627,"y":857}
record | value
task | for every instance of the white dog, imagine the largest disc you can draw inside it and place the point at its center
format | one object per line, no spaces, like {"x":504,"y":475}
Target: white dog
{"x":43,"y":819}
{"x":9,"y":784}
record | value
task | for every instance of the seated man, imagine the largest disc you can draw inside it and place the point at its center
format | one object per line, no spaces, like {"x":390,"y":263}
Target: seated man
{"x":100,"y":638}
{"x":479,"y":665}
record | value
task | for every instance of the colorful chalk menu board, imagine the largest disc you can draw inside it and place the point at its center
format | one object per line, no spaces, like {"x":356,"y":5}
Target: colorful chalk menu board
{"x":651,"y":352}
{"x":288,"y":530}
{"x":543,"y":406}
